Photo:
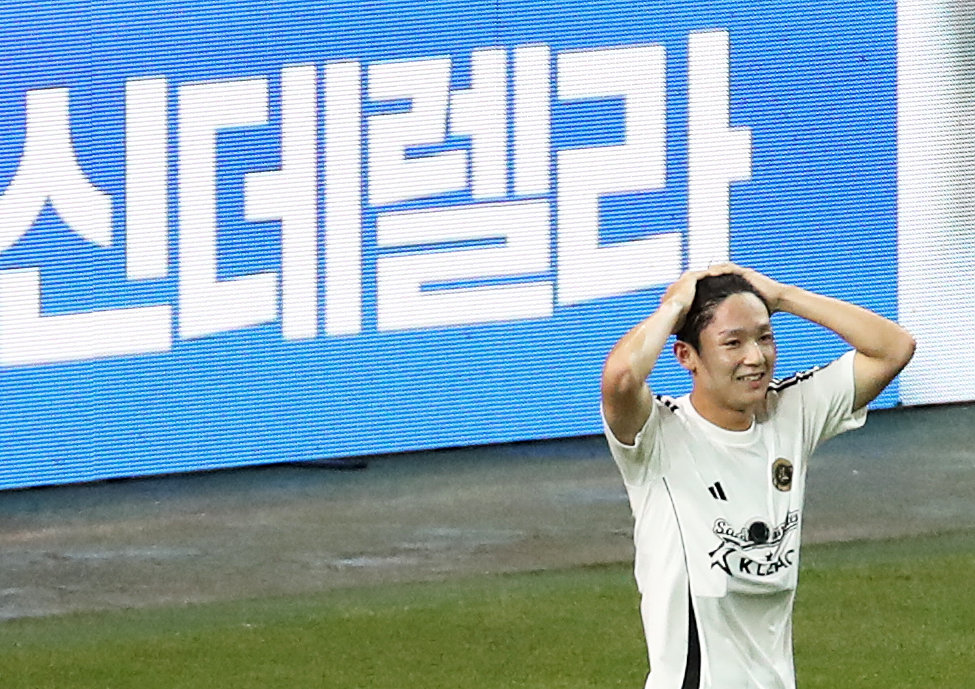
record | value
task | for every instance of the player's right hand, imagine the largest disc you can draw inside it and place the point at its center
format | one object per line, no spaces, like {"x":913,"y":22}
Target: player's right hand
{"x":681,"y":294}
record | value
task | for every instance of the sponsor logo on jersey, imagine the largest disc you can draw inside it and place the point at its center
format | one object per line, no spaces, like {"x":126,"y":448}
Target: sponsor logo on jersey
{"x":782,"y":474}
{"x":755,"y":549}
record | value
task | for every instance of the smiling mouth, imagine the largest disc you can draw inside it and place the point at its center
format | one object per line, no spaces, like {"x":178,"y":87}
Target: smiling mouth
{"x":752,"y":377}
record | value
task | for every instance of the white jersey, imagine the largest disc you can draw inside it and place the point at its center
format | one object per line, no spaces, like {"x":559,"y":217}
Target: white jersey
{"x":718,"y":515}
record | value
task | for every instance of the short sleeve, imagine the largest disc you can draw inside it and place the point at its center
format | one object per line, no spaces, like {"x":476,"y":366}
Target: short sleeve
{"x":828,"y":395}
{"x":637,"y":462}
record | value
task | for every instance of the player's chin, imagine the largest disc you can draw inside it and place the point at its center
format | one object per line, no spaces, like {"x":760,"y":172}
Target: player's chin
{"x":753,"y":391}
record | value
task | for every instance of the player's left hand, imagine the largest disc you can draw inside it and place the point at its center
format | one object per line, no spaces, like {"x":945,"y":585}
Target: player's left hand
{"x":770,"y":290}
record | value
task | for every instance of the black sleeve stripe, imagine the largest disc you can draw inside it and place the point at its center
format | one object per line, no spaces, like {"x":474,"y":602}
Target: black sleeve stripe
{"x":779,"y":385}
{"x":667,"y":402}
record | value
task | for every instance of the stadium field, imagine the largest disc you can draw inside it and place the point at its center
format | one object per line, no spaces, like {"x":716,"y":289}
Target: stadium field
{"x":894,"y":614}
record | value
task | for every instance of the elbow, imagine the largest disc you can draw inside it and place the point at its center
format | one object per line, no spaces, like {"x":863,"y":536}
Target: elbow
{"x":619,"y":381}
{"x":906,"y":346}
{"x":911,"y":345}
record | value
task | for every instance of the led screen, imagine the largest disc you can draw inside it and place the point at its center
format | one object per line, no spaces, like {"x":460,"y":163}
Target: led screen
{"x":240,"y":233}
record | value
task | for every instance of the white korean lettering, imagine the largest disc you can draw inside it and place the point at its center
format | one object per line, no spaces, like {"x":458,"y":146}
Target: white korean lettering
{"x":480,"y":112}
{"x":49,"y":172}
{"x":717,"y":155}
{"x":343,"y":198}
{"x":411,"y":289}
{"x":586,"y":269}
{"x":290,"y":195}
{"x":394,"y":175}
{"x":146,"y":170}
{"x":532,"y":120}
{"x":208,"y":305}
{"x":27,"y":337}
{"x":501,"y":269}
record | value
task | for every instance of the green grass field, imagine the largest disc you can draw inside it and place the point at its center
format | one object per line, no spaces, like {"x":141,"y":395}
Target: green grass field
{"x":890,"y":615}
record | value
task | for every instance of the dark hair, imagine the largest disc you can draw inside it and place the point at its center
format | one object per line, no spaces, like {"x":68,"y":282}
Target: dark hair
{"x":711,"y":290}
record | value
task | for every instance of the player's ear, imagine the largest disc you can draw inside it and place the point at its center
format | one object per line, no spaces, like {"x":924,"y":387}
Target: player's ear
{"x":686,"y":356}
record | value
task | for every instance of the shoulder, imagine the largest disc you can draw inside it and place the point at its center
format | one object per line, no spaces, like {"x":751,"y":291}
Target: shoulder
{"x":662,"y":409}
{"x":838,"y":373}
{"x":644,"y":459}
{"x":820,"y":397}
{"x":792,"y":394}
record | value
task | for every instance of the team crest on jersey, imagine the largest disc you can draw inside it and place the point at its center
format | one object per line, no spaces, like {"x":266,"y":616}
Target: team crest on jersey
{"x":756,"y":549}
{"x":782,"y":474}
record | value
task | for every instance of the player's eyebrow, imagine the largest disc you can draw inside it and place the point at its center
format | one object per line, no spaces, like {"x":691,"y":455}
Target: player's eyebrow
{"x":764,"y":327}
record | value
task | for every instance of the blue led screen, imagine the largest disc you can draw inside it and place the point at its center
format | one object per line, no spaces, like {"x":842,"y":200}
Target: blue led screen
{"x":243,"y":233}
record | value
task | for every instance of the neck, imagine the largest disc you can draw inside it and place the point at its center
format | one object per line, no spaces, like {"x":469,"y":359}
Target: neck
{"x":724,"y":417}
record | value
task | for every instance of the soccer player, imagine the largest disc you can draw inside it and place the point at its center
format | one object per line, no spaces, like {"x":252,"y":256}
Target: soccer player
{"x":716,"y":478}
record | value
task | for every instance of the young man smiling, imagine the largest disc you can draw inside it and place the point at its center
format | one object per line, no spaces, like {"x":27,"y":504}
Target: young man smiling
{"x":716,"y":478}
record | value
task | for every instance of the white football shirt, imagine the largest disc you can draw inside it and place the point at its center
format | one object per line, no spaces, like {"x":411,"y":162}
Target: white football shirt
{"x":718,"y":515}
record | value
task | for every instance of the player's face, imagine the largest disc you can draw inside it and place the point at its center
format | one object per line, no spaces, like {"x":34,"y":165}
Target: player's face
{"x":737,"y":354}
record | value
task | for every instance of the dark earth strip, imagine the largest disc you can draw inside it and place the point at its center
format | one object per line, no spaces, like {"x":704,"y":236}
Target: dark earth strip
{"x":427,"y":516}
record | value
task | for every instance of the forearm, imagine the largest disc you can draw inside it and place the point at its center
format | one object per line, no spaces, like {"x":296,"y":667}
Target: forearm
{"x":869,"y":333}
{"x":626,"y":398}
{"x":637,"y":352}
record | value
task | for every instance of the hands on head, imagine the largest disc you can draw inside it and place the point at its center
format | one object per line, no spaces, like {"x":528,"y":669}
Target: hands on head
{"x":681,"y":292}
{"x":770,"y":290}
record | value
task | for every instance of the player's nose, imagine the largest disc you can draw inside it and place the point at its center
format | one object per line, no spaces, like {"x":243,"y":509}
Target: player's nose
{"x":754,"y":355}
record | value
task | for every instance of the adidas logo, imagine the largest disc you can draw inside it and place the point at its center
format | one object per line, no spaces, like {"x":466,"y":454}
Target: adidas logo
{"x":717,"y":492}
